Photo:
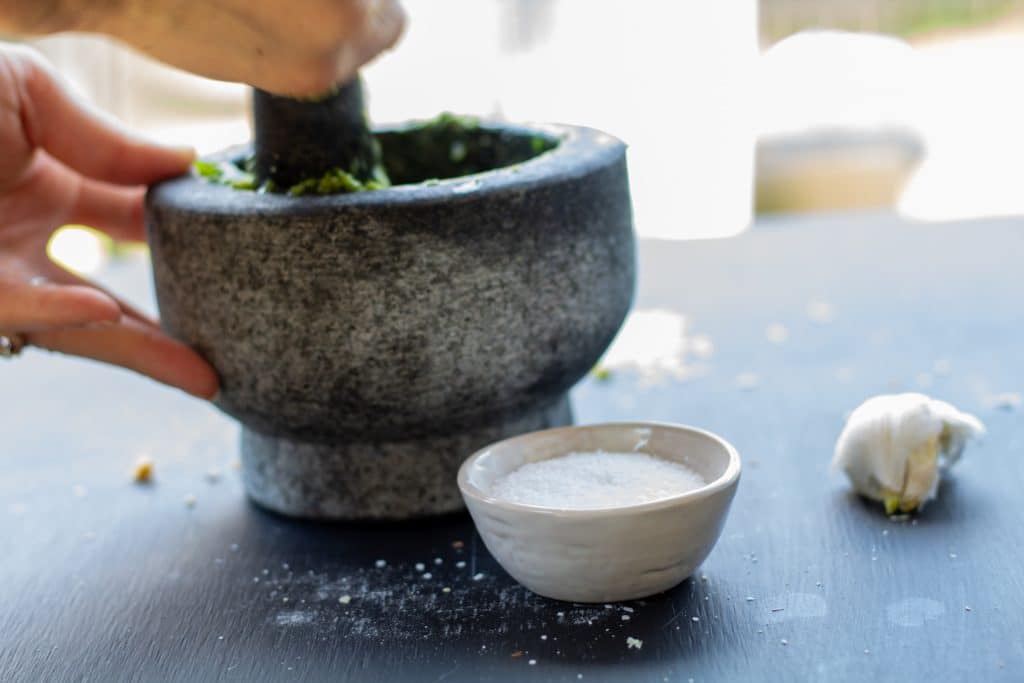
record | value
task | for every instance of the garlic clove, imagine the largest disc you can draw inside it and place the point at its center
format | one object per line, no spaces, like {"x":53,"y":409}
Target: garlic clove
{"x":894,"y":448}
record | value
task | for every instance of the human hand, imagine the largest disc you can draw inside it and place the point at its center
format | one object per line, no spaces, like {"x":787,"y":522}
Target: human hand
{"x":62,"y":162}
{"x":300,"y":48}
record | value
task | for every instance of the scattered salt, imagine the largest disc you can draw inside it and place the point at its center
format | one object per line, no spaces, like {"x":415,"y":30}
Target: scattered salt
{"x":1008,"y":400}
{"x":694,"y":619}
{"x":820,"y":311}
{"x":596,"y":480}
{"x":345,"y":599}
{"x":428,"y":575}
{"x":631,"y":642}
{"x":533,"y":662}
{"x":420,"y":566}
{"x":461,"y":564}
{"x":380,"y":564}
{"x":477,"y":577}
{"x":777,"y":333}
{"x":747,"y":381}
{"x":702,"y":346}
{"x":625,"y":617}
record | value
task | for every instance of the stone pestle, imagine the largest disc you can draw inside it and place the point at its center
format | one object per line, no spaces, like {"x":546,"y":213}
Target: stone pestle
{"x":295,"y":140}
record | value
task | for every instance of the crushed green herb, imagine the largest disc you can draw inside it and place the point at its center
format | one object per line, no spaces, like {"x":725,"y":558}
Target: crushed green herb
{"x":335,"y":181}
{"x":226,"y":173}
{"x":448,"y":146}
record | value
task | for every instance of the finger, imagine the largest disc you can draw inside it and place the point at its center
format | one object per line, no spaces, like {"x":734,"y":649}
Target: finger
{"x":57,"y":274}
{"x":31,"y":308}
{"x":86,"y":139}
{"x":336,"y":38}
{"x":113,"y":209}
{"x":383,"y":24}
{"x":137,"y":347}
{"x":354,"y":35}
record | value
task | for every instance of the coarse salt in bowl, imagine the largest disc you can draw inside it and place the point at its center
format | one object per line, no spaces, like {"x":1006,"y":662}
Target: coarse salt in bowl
{"x":647,"y":538}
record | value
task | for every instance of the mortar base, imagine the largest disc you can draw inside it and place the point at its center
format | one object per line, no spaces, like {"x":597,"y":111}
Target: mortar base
{"x":373,"y":480}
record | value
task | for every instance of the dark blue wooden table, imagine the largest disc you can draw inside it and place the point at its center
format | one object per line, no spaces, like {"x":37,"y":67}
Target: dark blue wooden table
{"x":102,"y":579}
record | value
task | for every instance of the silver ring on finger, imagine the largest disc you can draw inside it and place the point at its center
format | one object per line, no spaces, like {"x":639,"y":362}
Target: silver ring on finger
{"x":11,"y":344}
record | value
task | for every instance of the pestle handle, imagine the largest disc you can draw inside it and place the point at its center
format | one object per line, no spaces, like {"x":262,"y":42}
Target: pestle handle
{"x":299,"y":139}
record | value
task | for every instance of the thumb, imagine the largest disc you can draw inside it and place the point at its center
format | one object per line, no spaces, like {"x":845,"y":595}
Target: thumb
{"x":84,"y":138}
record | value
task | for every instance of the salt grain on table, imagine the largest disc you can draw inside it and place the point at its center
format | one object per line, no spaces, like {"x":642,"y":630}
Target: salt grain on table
{"x":777,"y":333}
{"x":820,"y":311}
{"x":1009,"y":400}
{"x":596,"y":480}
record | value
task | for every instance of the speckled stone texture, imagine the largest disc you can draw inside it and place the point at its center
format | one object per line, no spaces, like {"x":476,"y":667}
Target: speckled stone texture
{"x":369,"y":342}
{"x":372,"y":479}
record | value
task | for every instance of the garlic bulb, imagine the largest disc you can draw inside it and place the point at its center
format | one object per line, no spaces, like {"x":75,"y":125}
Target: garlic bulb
{"x":895,"y":447}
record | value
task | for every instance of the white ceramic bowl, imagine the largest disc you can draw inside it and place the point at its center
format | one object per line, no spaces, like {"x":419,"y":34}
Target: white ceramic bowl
{"x":606,"y":554}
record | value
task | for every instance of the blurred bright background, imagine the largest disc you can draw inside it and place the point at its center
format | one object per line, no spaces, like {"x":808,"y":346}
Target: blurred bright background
{"x":730,"y":109}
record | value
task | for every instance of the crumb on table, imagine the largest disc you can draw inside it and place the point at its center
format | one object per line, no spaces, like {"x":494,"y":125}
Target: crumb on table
{"x":143,"y":472}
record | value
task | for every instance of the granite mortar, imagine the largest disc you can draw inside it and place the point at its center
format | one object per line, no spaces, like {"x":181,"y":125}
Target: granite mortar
{"x":369,"y":342}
